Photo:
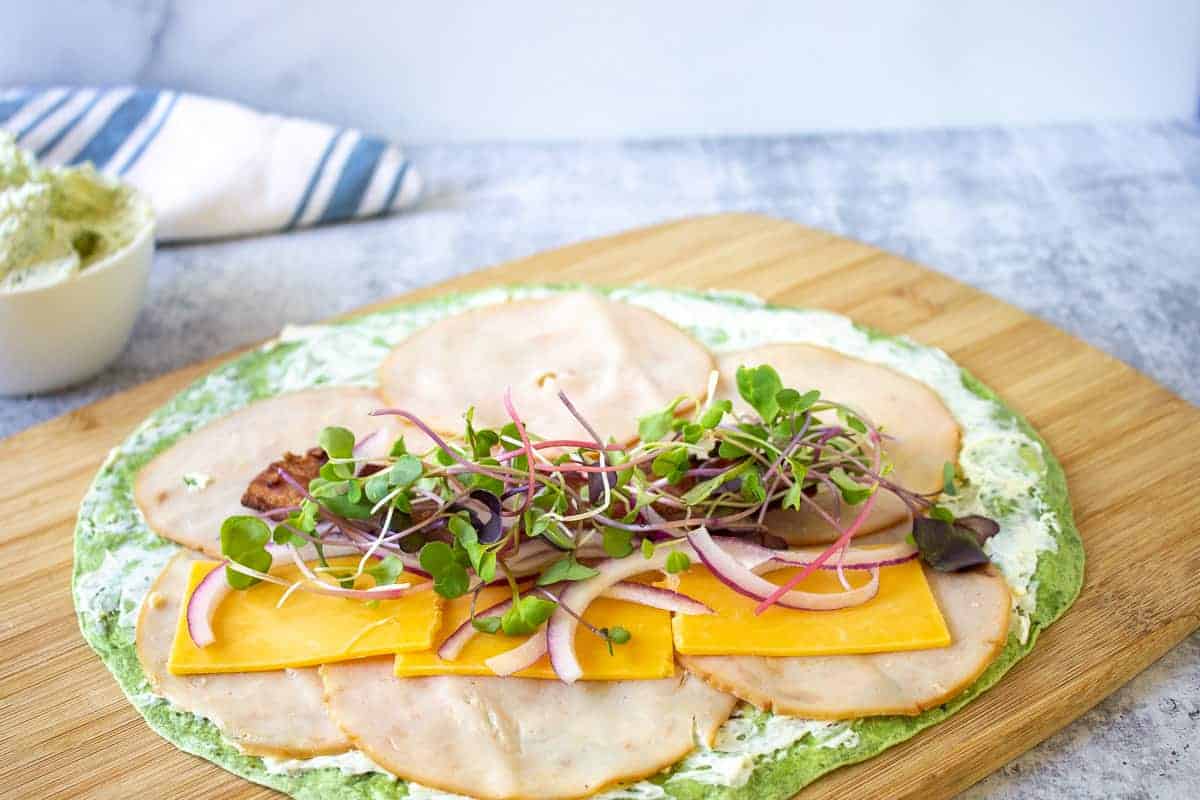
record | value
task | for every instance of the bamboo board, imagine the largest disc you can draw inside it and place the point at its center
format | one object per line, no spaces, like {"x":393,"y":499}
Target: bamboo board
{"x":1130,"y":448}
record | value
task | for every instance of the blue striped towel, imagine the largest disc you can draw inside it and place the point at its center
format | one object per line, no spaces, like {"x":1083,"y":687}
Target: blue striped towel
{"x":213,"y":168}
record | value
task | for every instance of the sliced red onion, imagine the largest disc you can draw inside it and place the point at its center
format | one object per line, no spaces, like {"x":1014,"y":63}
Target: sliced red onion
{"x":854,"y":558}
{"x":733,"y":574}
{"x":754,"y":556}
{"x":521,"y":657}
{"x":560,"y":630}
{"x":202,"y":605}
{"x":750,"y":555}
{"x":655,"y":597}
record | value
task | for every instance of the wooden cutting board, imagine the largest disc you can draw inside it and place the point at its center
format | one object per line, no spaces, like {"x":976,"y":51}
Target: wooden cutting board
{"x":1131,"y":450}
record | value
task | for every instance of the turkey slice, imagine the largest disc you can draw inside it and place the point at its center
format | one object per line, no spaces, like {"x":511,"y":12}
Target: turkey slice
{"x":924,"y":433}
{"x":975,"y":606}
{"x":277,"y":713}
{"x":222,"y":458}
{"x":614,"y":361}
{"x":518,"y":737}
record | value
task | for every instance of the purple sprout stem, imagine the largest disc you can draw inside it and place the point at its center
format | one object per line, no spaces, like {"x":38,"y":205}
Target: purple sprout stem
{"x":566,"y":401}
{"x":773,"y":473}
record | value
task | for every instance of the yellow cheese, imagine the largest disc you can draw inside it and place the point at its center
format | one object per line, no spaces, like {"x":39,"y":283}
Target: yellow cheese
{"x":253,"y":635}
{"x":903,"y":616}
{"x":648,"y":654}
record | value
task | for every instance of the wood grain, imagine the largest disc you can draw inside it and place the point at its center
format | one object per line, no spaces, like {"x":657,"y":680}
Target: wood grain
{"x":68,"y":732}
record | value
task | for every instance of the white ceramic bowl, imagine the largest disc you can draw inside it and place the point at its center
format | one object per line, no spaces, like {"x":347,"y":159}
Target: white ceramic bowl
{"x":58,"y":335}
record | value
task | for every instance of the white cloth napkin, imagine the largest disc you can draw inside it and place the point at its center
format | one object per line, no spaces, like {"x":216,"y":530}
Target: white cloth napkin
{"x":213,"y":168}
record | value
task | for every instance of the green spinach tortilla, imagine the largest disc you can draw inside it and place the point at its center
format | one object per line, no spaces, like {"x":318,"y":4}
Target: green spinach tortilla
{"x":117,"y":556}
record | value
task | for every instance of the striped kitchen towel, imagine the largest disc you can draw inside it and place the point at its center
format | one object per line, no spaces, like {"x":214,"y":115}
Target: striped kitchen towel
{"x":210,"y":167}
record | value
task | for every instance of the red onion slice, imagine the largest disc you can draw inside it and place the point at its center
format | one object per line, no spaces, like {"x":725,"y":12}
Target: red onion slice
{"x":521,"y":657}
{"x":855,"y":558}
{"x":655,"y":597}
{"x":202,"y":605}
{"x":754,"y":557}
{"x":737,"y":577}
{"x":842,"y":541}
{"x":560,"y":630}
{"x":748,"y":554}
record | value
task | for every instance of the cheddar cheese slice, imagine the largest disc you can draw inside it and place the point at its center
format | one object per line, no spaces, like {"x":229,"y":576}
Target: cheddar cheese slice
{"x":253,"y":635}
{"x":903,"y":616}
{"x":647,"y":655}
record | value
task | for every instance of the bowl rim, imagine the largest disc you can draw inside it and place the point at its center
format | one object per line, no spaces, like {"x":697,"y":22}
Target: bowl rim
{"x":149,"y":228}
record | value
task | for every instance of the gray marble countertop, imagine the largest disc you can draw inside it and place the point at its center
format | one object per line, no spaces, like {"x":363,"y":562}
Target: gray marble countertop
{"x":1095,"y":228}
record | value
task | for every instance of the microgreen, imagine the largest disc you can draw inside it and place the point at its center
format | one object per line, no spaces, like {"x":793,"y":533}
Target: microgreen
{"x":505,"y":502}
{"x":713,"y":415}
{"x":566,"y":569}
{"x":450,"y":578}
{"x":704,"y":489}
{"x":671,"y":464}
{"x":654,"y":427}
{"x":948,"y":486}
{"x":544,"y":524}
{"x":949,"y":546}
{"x":615,"y":635}
{"x":852,"y":492}
{"x":942,"y":513}
{"x":803,"y":402}
{"x":526,"y":616}
{"x":618,"y":635}
{"x":299,"y":522}
{"x":760,"y":386}
{"x":793,"y":498}
{"x":852,"y":420}
{"x":752,"y":488}
{"x":386,"y":571}
{"x":678,"y":562}
{"x":617,"y":543}
{"x":337,"y":442}
{"x":244,"y":541}
{"x":486,"y":624}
